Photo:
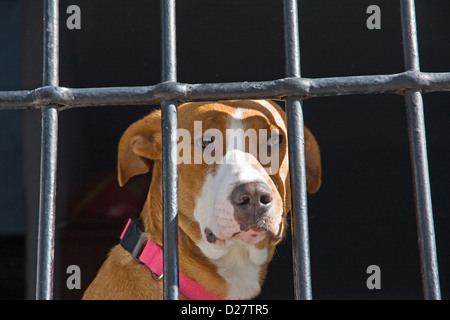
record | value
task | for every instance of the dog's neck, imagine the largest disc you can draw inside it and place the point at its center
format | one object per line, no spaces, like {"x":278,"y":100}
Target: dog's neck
{"x":242,"y":266}
{"x":232,"y":270}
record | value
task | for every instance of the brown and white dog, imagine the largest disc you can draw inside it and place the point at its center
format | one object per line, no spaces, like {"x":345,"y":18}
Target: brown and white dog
{"x":232,"y":211}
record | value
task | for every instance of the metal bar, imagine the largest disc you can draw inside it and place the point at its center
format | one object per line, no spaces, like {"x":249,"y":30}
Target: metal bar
{"x":49,"y":139}
{"x":168,"y":41}
{"x":409,"y":30}
{"x":68,"y":98}
{"x":291,"y":39}
{"x":169,"y":156}
{"x":418,"y":148}
{"x":299,"y":215}
{"x":300,"y":232}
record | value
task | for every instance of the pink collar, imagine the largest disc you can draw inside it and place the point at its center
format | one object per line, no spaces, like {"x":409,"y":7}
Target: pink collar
{"x":152,"y":256}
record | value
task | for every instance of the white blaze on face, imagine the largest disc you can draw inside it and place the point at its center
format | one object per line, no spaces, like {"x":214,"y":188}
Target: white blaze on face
{"x":237,"y":260}
{"x":214,"y":209}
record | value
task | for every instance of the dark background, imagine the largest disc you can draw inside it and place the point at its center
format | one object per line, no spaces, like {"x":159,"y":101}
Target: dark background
{"x":364,"y":213}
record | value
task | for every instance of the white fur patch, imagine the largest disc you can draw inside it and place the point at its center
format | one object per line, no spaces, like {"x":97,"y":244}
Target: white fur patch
{"x":239,"y":264}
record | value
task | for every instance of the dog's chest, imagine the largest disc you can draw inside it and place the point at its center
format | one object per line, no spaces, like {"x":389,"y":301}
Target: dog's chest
{"x":240,"y":266}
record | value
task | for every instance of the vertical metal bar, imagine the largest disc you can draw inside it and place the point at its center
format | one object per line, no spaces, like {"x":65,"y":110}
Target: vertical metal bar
{"x":49,"y":139}
{"x":169,"y":156}
{"x":418,"y":149}
{"x":168,"y":41}
{"x":300,"y":232}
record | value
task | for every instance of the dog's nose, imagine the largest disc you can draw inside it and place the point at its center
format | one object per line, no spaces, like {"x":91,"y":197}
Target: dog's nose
{"x":251,"y":199}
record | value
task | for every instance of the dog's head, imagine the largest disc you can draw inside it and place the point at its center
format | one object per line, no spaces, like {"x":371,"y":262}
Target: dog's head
{"x":233,"y":168}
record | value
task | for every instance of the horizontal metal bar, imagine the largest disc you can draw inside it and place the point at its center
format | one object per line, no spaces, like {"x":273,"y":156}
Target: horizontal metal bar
{"x":176,"y":91}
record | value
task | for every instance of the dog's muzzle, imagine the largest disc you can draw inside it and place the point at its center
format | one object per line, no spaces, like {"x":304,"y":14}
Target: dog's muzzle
{"x":251,"y":202}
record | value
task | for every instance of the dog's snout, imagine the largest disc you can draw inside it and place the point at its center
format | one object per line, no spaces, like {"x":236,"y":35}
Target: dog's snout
{"x":252,"y":198}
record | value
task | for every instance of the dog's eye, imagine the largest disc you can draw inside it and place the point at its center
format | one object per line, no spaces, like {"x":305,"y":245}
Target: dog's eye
{"x":274,"y":140}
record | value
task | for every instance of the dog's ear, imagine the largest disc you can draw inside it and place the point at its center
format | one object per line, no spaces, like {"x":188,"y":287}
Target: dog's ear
{"x":139,"y":145}
{"x":313,"y":165}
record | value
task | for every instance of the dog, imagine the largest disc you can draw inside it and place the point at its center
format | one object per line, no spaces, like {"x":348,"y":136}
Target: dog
{"x":232,"y":205}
